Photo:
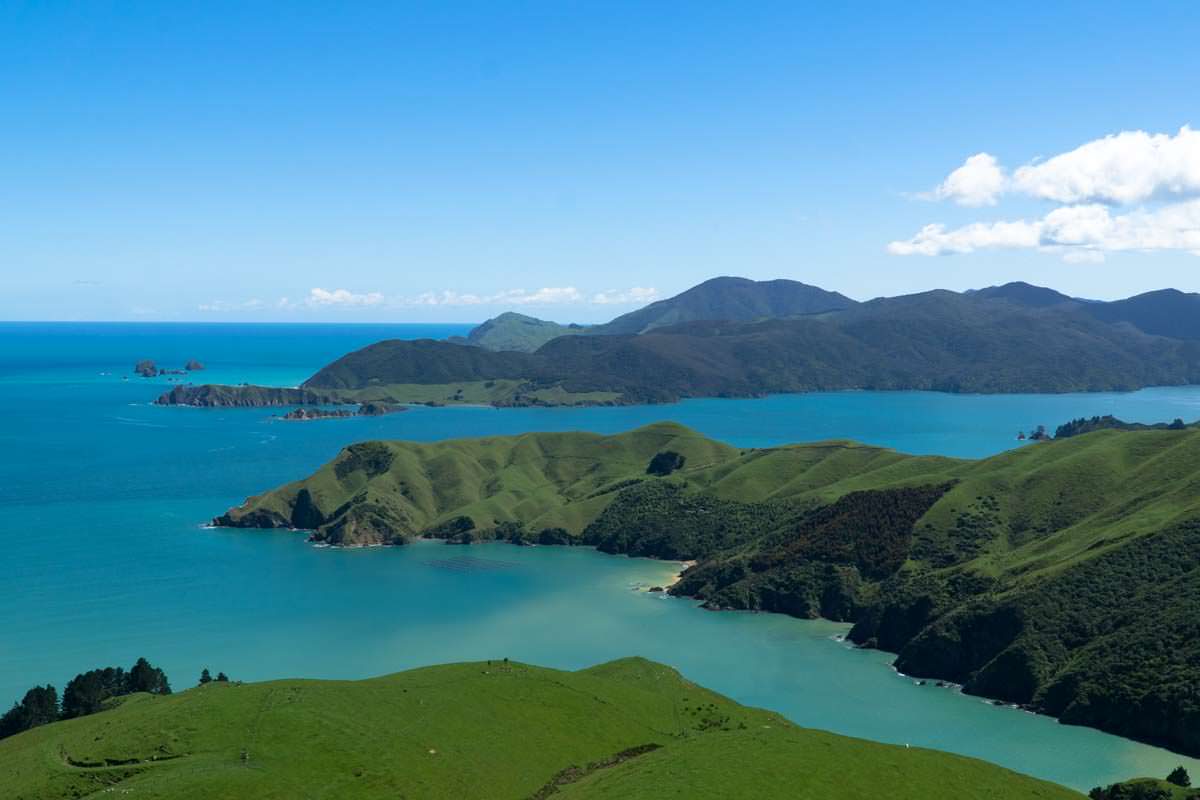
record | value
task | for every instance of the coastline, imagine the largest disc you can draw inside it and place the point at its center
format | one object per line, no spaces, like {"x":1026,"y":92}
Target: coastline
{"x":685,"y":566}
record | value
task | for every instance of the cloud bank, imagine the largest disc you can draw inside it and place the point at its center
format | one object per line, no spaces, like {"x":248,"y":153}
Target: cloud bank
{"x":344,"y":298}
{"x":1131,"y":191}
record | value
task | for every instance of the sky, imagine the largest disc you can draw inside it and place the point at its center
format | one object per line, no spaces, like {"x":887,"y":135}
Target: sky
{"x":410,"y":161}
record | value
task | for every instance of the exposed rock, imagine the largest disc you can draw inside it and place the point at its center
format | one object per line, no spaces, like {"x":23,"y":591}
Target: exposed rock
{"x":378,"y":409}
{"x":193,"y":365}
{"x":317,"y":413}
{"x":146,"y":368}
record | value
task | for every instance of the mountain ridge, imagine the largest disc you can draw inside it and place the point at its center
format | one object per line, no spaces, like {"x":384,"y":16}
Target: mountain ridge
{"x":1014,"y":338}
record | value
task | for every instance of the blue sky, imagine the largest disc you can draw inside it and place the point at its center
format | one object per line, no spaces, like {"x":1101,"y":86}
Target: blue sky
{"x":445,"y":161}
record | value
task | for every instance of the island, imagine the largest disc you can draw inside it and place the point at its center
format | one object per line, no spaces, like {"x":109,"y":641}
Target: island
{"x":146,"y":368}
{"x":1060,"y":577}
{"x":364,"y":410}
{"x":735,"y":338}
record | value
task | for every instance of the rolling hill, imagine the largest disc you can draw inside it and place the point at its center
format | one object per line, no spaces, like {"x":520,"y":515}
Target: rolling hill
{"x":1063,"y":576}
{"x":492,"y":730}
{"x":728,"y":299}
{"x":512,"y":331}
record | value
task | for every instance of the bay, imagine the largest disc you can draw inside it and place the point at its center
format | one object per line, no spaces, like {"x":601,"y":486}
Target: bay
{"x":104,"y":497}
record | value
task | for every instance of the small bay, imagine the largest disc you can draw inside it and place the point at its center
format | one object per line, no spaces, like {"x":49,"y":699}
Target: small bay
{"x":104,"y":497}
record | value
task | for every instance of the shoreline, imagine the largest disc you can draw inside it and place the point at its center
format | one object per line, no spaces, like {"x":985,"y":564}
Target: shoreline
{"x":686,"y":565}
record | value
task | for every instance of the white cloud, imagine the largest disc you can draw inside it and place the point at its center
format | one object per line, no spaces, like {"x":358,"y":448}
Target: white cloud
{"x":341,"y":297}
{"x":1119,"y":169}
{"x":978,"y":182}
{"x":550,"y":295}
{"x":935,"y":240}
{"x":221,"y":306}
{"x":1155,"y":176}
{"x":546,"y":296}
{"x":1128,"y":167}
{"x":635,"y":295}
{"x":1068,"y":230}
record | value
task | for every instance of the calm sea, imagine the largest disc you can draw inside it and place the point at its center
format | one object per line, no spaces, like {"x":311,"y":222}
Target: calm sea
{"x":103,"y":497}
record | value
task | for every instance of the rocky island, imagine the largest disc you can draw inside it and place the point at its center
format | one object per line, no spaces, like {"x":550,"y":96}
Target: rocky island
{"x":364,"y":410}
{"x":146,"y":368}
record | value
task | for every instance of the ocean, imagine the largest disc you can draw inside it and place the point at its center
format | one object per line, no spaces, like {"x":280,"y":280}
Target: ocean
{"x":104,"y":499}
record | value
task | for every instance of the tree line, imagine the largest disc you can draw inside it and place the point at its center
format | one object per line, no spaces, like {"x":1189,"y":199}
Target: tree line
{"x":87,"y":693}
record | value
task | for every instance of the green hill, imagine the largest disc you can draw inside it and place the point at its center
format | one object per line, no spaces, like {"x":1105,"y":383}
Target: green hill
{"x":495,"y":730}
{"x":728,"y":299}
{"x":1064,"y":576}
{"x":512,"y":331}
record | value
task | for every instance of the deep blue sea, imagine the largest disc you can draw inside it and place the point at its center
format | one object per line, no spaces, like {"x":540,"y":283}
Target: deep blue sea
{"x":103,"y":498}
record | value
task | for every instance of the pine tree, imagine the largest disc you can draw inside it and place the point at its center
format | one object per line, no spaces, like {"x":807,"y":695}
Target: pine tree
{"x":1180,"y":777}
{"x":205,"y":676}
{"x":222,"y":677}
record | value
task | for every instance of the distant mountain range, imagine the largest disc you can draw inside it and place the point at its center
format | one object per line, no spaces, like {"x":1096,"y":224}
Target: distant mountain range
{"x":1167,"y":312}
{"x":729,"y":299}
{"x":734,"y":337}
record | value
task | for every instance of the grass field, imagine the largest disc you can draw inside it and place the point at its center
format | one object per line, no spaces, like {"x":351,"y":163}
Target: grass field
{"x":481,"y":730}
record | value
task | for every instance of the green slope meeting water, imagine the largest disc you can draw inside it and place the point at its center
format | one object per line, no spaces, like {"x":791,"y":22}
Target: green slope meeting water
{"x":104,"y":496}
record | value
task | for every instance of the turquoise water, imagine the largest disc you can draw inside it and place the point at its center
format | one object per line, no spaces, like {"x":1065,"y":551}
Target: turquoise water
{"x":104,"y":495}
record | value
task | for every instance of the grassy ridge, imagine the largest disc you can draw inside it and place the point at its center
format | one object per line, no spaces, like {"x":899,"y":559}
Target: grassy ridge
{"x":1064,"y":576}
{"x":482,"y":730}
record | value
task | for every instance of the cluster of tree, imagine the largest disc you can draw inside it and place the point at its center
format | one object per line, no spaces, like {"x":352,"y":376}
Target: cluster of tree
{"x":206,"y":677}
{"x":462,"y":530}
{"x":1038,"y":434}
{"x":1083,"y":425}
{"x":1147,"y":789}
{"x":86,"y":693}
{"x":824,"y":561}
{"x":665,"y":463}
{"x":662,"y":519}
{"x":1072,"y":644}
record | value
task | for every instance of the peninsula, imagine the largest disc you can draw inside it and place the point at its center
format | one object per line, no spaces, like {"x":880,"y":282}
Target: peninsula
{"x":735,"y":338}
{"x":1061,"y":576}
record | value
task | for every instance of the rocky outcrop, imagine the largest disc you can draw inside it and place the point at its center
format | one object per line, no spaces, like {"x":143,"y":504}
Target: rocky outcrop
{"x":376,"y":409}
{"x":317,"y":413}
{"x":216,"y":396}
{"x":193,"y":365}
{"x":364,"y":410}
{"x":146,"y":368}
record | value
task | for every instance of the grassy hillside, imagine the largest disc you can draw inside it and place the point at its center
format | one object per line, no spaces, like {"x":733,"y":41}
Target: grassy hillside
{"x":495,"y":730}
{"x":1064,"y":576}
{"x":512,"y":331}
